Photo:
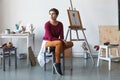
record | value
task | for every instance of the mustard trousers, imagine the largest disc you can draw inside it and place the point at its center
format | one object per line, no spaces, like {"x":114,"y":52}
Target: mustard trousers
{"x":59,"y":46}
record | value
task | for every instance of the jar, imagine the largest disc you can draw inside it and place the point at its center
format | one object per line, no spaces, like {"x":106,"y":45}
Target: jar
{"x":7,"y":31}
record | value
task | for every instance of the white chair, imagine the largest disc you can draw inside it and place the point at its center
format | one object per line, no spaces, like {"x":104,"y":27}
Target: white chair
{"x":108,"y":56}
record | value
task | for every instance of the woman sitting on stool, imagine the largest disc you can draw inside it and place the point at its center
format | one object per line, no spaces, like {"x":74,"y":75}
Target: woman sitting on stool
{"x":54,"y":36}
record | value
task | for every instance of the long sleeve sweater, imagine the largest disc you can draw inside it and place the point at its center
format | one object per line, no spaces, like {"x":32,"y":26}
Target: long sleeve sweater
{"x":53,"y":32}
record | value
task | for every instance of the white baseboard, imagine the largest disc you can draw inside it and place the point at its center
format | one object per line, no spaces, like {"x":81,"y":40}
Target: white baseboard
{"x":81,"y":55}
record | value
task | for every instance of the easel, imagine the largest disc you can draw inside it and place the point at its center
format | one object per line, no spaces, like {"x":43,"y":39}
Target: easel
{"x":76,"y":25}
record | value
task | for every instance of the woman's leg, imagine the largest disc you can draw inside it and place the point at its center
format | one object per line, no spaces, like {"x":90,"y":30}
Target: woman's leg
{"x":58,"y":48}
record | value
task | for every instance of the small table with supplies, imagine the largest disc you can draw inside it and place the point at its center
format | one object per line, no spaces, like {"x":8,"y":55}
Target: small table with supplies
{"x":20,"y":35}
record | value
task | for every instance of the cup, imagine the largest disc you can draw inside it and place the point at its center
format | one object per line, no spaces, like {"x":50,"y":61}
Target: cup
{"x":17,"y":27}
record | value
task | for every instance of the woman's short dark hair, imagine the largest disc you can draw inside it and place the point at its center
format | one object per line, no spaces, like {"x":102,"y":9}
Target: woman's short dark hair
{"x":55,"y":10}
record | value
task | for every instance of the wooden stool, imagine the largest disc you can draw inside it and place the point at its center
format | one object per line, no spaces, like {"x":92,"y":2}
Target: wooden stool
{"x":7,"y":52}
{"x":108,"y":57}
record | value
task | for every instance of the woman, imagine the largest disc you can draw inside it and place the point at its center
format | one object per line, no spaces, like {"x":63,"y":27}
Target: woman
{"x":54,"y":36}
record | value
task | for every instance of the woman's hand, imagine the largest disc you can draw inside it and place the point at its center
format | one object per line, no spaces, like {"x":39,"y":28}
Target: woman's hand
{"x":65,"y":43}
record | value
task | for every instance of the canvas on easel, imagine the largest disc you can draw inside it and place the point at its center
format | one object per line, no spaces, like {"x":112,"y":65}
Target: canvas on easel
{"x":74,"y":19}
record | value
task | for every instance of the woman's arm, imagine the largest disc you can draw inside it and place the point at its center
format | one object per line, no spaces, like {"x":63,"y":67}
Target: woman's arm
{"x":62,"y":32}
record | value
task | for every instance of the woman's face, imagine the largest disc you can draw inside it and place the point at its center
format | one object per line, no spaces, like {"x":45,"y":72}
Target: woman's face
{"x":53,"y":15}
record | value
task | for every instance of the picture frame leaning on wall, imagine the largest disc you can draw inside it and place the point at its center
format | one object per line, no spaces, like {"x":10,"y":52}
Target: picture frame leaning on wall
{"x":74,"y":19}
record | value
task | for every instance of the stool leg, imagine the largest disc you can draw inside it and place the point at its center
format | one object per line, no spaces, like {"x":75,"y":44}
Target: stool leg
{"x":0,"y":60}
{"x":15,"y":59}
{"x":98,"y":61}
{"x":45,"y":61}
{"x":53,"y":61}
{"x":3,"y":60}
{"x":99,"y":53}
{"x":9,"y":58}
{"x":109,"y":65}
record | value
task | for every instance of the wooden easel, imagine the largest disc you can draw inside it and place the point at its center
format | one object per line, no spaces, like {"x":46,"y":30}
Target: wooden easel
{"x":76,"y":25}
{"x":78,"y":39}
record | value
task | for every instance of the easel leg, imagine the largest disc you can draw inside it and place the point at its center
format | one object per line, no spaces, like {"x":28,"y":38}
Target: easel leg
{"x":88,"y":48}
{"x":71,"y":60}
{"x":67,"y":34}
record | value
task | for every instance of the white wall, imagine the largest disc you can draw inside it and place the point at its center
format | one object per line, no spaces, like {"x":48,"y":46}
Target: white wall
{"x":93,"y":13}
{"x":0,"y":8}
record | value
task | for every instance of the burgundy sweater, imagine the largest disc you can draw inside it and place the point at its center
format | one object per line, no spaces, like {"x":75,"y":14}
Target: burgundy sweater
{"x":53,"y":32}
